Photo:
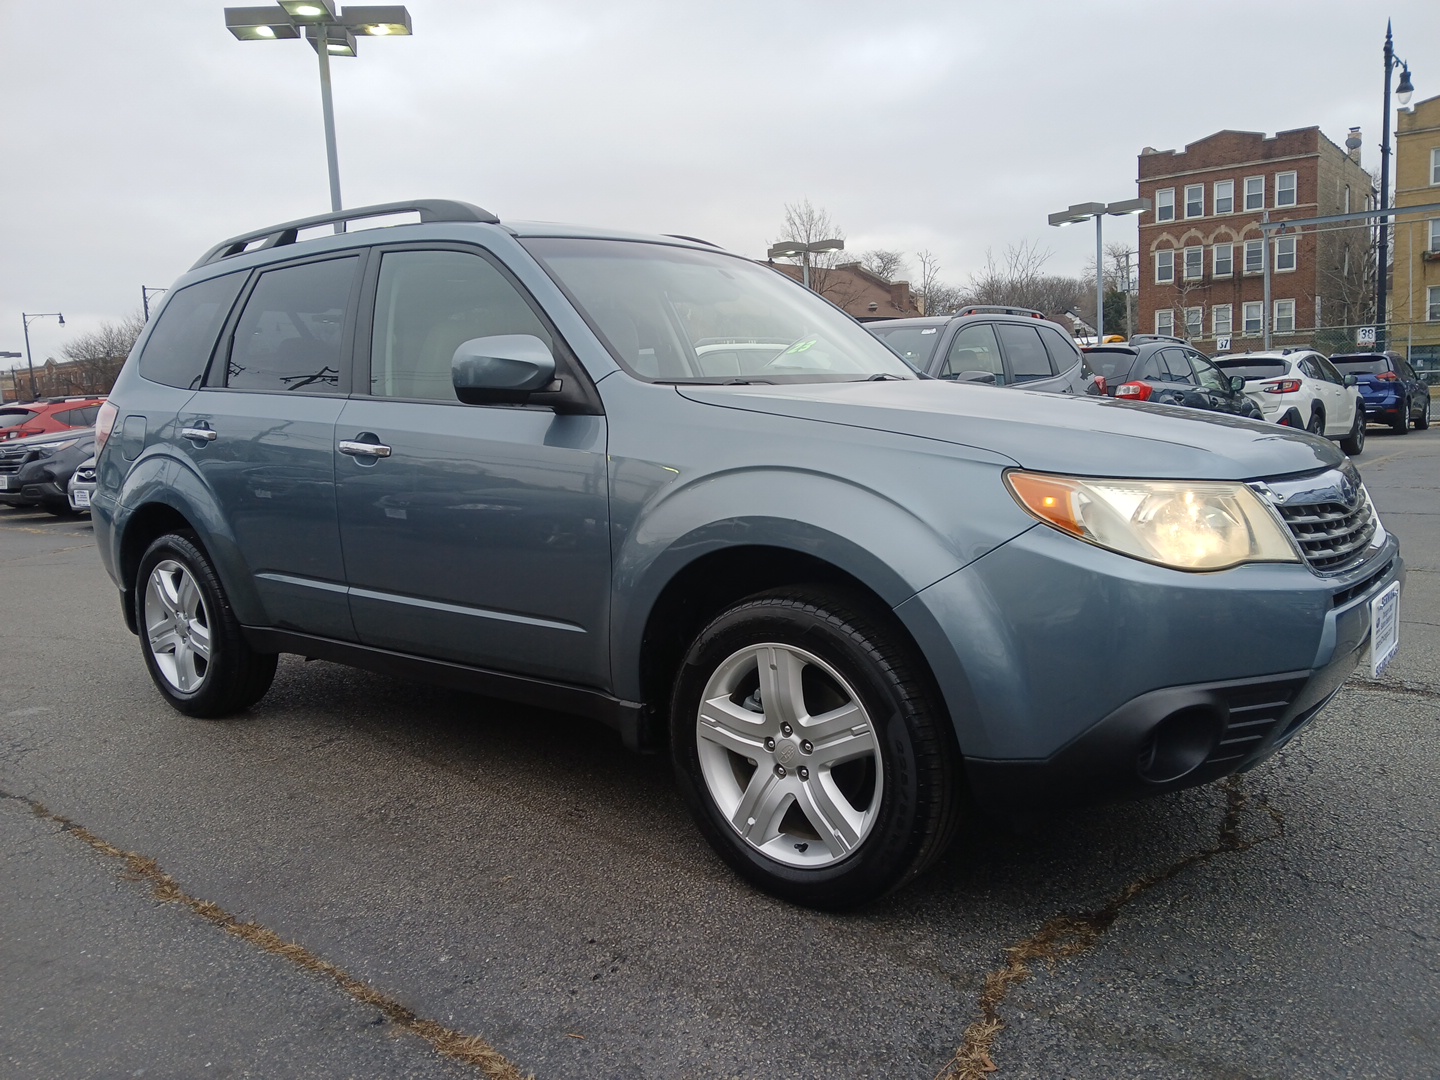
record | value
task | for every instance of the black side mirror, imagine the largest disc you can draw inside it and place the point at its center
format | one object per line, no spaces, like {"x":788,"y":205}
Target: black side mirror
{"x":504,"y":369}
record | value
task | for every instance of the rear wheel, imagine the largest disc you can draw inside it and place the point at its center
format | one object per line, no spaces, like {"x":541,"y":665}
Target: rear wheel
{"x":192,"y":642}
{"x":1316,"y":426}
{"x":806,"y":740}
{"x":1354,"y":443}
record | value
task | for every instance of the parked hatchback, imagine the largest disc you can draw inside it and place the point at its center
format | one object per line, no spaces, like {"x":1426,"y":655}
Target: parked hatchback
{"x":1300,"y":388}
{"x":43,"y":417}
{"x":1166,"y":371}
{"x":489,"y":455}
{"x":998,"y":346}
{"x":1393,"y":393}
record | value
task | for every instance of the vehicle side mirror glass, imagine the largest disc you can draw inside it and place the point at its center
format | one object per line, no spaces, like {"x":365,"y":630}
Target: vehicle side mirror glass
{"x":986,"y":378}
{"x":1351,"y":380}
{"x":1237,"y":382}
{"x":504,"y":369}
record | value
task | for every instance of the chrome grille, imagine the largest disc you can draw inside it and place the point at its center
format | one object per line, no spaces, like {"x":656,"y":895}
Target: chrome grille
{"x":1330,"y":517}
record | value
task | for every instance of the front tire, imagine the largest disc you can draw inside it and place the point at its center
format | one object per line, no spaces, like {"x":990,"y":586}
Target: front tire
{"x":193,"y":645}
{"x":1401,"y":425}
{"x":807,"y":742}
{"x":1423,"y":423}
{"x":1354,"y":443}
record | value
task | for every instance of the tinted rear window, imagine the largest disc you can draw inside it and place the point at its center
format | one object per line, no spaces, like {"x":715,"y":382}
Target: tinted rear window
{"x":913,"y":344}
{"x":1252,"y":369}
{"x":14,"y":417}
{"x":1361,"y":365}
{"x":178,"y":349}
{"x":1028,"y":358}
{"x":1063,"y":353}
{"x":288,"y":337}
{"x":1113,"y":365}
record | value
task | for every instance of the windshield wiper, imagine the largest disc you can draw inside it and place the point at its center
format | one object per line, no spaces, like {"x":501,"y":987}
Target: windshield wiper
{"x":884,"y":376}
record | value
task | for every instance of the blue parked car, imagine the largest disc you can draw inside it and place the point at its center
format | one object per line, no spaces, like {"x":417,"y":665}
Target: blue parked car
{"x":1392,"y":392}
{"x":643,"y":479}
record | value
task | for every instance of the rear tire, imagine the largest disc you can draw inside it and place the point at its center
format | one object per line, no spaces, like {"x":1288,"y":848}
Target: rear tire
{"x":1354,"y":443}
{"x":808,"y":743}
{"x":192,"y":643}
{"x":1316,"y":426}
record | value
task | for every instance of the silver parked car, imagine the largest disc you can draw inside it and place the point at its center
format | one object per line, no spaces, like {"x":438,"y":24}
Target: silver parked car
{"x":81,"y":486}
{"x":527,"y":459}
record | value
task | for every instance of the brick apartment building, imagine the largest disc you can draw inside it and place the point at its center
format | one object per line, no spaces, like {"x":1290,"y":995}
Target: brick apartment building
{"x":1201,"y":246}
{"x":1414,"y":294}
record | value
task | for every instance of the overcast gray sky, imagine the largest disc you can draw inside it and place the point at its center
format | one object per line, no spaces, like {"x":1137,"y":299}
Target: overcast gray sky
{"x":137,"y":133}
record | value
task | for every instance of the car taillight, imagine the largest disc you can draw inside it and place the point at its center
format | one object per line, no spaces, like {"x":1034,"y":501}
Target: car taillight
{"x":104,"y":424}
{"x":1284,"y":386}
{"x":1139,"y":391}
{"x":1388,"y":376}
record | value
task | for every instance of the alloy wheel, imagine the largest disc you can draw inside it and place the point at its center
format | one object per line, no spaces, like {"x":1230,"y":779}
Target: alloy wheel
{"x":177,"y":626}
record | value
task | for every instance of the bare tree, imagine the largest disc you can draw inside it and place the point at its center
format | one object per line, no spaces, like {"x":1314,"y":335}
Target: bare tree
{"x":884,"y":263}
{"x":809,"y":224}
{"x":1019,"y":280}
{"x":99,"y":354}
{"x":933,"y":295}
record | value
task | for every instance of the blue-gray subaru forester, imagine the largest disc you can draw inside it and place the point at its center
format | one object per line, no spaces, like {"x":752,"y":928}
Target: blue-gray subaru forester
{"x":641,"y":478}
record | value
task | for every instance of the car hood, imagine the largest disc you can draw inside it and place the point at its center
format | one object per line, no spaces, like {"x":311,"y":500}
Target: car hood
{"x":1084,"y":436}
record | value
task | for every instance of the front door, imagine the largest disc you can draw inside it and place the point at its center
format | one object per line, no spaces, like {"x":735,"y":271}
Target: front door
{"x":478,"y":534}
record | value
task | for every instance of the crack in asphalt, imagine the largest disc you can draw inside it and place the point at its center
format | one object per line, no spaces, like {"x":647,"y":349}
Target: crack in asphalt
{"x":1066,"y":936}
{"x":1372,"y":686}
{"x":467,"y":1049}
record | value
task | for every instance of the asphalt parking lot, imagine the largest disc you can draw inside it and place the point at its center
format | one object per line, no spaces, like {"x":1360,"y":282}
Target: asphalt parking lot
{"x":366,"y":878}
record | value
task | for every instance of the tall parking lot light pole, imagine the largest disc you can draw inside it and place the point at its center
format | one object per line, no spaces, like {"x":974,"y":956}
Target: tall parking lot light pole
{"x":790,"y":249}
{"x":1402,"y":95}
{"x":29,"y":362}
{"x":1084,"y":212}
{"x":330,"y":34}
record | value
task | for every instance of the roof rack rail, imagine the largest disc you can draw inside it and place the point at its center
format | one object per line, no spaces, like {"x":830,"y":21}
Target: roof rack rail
{"x":1145,"y":339}
{"x":999,"y":309}
{"x":286,"y":232}
{"x":692,"y":239}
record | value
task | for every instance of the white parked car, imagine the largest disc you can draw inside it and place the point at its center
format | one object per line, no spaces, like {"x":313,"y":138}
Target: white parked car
{"x":81,"y":486}
{"x":1300,"y":388}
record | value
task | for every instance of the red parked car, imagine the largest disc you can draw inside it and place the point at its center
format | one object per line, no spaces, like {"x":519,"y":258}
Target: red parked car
{"x":53,"y":414}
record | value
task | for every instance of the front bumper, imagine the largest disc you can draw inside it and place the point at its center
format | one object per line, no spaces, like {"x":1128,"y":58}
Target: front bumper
{"x":1075,"y":675}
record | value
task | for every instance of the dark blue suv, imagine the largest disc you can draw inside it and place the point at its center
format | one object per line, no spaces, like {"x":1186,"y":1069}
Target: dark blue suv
{"x":533,"y":460}
{"x":1392,"y":392}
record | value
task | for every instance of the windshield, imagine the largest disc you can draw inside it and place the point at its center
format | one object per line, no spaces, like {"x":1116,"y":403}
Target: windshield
{"x":1253,"y":369}
{"x":670,"y":314}
{"x":1361,"y":365}
{"x":913,"y":344}
{"x":15,"y":417}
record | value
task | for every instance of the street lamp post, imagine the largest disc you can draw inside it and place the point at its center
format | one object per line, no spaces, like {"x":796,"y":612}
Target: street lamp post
{"x":146,"y":292}
{"x":790,"y":249}
{"x":29,"y":361}
{"x":330,"y":34}
{"x":1084,"y":212}
{"x":1402,"y":95}
{"x":8,"y":356}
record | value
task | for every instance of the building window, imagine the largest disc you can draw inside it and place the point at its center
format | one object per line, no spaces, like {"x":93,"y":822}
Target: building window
{"x":1165,"y":205}
{"x":1433,"y":296}
{"x":1435,"y":166}
{"x":1285,"y":189}
{"x":1164,"y":267}
{"x":1254,"y":193}
{"x":1194,"y":263}
{"x":1165,"y":321}
{"x":1252,"y":314}
{"x":1194,"y":200}
{"x":1224,"y":196}
{"x":1194,"y":322}
{"x":1284,"y":316}
{"x":1284,"y":254}
{"x":1220,"y":320}
{"x":1347,"y":198}
{"x":1224,"y":260}
{"x":1435,"y":234}
{"x":1254,"y":256}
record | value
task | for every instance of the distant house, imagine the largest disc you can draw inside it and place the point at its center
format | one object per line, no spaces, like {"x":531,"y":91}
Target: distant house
{"x":857,"y":291}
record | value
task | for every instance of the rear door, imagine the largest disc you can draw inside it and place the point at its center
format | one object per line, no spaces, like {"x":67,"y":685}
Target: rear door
{"x":261,"y":434}
{"x":476,"y":534}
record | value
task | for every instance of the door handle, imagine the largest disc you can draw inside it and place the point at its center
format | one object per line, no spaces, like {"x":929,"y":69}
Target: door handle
{"x":364,"y":449}
{"x":203,"y":434}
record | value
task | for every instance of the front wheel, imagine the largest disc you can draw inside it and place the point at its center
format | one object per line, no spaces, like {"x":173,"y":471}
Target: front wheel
{"x":807,"y":743}
{"x":192,"y":642}
{"x":1401,"y":425}
{"x":1422,"y":423}
{"x":1354,"y":443}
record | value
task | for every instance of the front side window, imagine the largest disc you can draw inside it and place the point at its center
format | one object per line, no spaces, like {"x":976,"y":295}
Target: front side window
{"x":1165,"y":322}
{"x":180,"y":343}
{"x":1194,"y":200}
{"x":658,"y":308}
{"x":426,"y":304}
{"x":1194,"y":263}
{"x":1165,"y":205}
{"x":1027,"y":356}
{"x":1211,"y":377}
{"x":1285,"y":189}
{"x":1224,"y":260}
{"x":1224,"y":196}
{"x":288,"y":337}
{"x":1220,"y":320}
{"x":1254,"y":256}
{"x":1284,"y":254}
{"x":1254,"y":193}
{"x":1252,"y":314}
{"x":974,"y":348}
{"x":1164,"y":267}
{"x":1284,"y":316}
{"x":1194,"y":322}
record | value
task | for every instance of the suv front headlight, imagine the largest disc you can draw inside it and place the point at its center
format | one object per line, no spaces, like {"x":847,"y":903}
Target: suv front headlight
{"x":1185,"y":525}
